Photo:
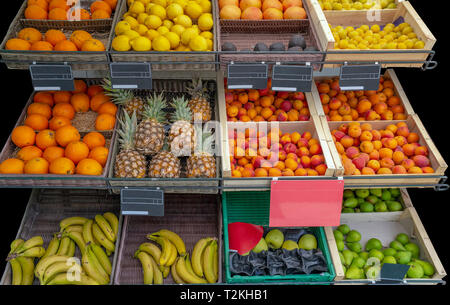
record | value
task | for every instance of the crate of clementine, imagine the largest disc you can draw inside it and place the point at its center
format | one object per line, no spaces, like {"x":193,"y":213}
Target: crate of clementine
{"x":61,"y":139}
{"x":385,"y":152}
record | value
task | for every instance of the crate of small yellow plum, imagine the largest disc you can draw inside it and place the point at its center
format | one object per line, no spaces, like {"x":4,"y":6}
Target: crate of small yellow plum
{"x":62,"y":138}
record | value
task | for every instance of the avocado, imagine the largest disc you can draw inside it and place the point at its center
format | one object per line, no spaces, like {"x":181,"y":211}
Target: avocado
{"x":277,"y":46}
{"x":261,"y":46}
{"x":297,"y":40}
{"x":228,"y":46}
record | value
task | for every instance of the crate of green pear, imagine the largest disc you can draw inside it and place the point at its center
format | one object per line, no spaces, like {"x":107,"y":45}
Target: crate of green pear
{"x":375,"y":200}
{"x":360,"y":247}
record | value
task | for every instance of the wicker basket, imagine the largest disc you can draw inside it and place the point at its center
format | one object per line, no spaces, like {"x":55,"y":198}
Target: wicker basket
{"x":165,"y":60}
{"x":46,"y":208}
{"x":191,"y":216}
{"x":244,"y":34}
{"x":87,"y":25}
{"x":172,"y":88}
{"x":49,"y":180}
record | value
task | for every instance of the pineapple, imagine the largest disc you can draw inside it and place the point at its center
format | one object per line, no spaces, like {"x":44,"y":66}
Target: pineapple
{"x":202,"y":164}
{"x":164,"y":165}
{"x":199,"y":104}
{"x":182,"y":133}
{"x":129,"y":162}
{"x":125,"y":98}
{"x":150,"y":132}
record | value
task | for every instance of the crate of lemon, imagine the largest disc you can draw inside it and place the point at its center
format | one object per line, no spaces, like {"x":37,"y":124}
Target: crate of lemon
{"x":171,"y":34}
{"x":370,"y":34}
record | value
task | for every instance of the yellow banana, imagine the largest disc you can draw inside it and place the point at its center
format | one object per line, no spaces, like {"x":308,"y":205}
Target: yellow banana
{"x":27,"y":265}
{"x":72,"y":249}
{"x":64,"y":279}
{"x":113,"y":221}
{"x":189,"y":266}
{"x":167,"y":249}
{"x":105,"y":242}
{"x":216,"y":263}
{"x":151,"y":249}
{"x":60,"y":267}
{"x":87,"y":231}
{"x":77,"y":237}
{"x":93,"y":268}
{"x":185,"y":275}
{"x":35,"y":241}
{"x":106,"y":228}
{"x":74,"y":228}
{"x":70,"y":221}
{"x":147,"y":266}
{"x":197,"y":255}
{"x":16,"y":244}
{"x":208,"y":262}
{"x":165,"y":270}
{"x":33,"y":252}
{"x":16,"y":269}
{"x":64,"y":245}
{"x":53,"y":246}
{"x":102,"y":258}
{"x":174,"y":238}
{"x":157,"y":274}
{"x":177,"y":279}
{"x":44,"y":263}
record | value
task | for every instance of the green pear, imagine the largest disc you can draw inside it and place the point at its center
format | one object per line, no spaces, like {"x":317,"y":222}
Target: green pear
{"x":373,"y":272}
{"x":353,"y":236}
{"x":344,"y":229}
{"x":394,"y":206}
{"x":428,"y":268}
{"x":414,"y":249}
{"x":358,"y":262}
{"x":389,"y":259}
{"x":341,"y":256}
{"x":348,"y":257}
{"x":373,"y":243}
{"x":348,"y":194}
{"x":338,"y":235}
{"x":261,"y":246}
{"x":376,"y":253}
{"x":389,"y":252}
{"x":372,"y":199}
{"x":344,"y":268}
{"x":362,"y":193}
{"x":347,"y":210}
{"x":397,"y":245}
{"x":351,"y":203}
{"x":403,"y":257}
{"x":354,"y":273}
{"x":307,"y":242}
{"x":415,"y":270}
{"x":340,"y":245}
{"x":403,"y":238}
{"x":366,"y":207}
{"x":376,"y":192}
{"x":381,"y":206}
{"x":386,"y":195}
{"x":355,"y":247}
{"x":395,"y":192}
{"x":364,"y":255}
{"x":274,"y":239}
{"x":289,"y":245}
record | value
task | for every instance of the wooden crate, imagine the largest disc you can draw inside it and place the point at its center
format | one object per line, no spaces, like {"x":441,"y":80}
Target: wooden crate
{"x":414,"y":125}
{"x":385,"y":227}
{"x":358,"y":18}
{"x":389,"y":74}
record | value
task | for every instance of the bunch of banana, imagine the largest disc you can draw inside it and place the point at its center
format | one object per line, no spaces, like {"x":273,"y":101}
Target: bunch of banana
{"x":96,"y":263}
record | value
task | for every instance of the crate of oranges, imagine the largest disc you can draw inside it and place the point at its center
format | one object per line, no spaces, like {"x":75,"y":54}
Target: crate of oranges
{"x":80,"y":14}
{"x":62,"y":138}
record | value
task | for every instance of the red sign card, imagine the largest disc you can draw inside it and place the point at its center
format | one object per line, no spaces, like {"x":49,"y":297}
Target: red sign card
{"x":244,"y":236}
{"x":310,"y":203}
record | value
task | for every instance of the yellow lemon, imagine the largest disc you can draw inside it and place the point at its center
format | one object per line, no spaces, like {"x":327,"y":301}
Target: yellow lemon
{"x":183,"y":20}
{"x":168,"y":24}
{"x":419,"y":44}
{"x":145,"y":2}
{"x":161,"y":43}
{"x":159,"y":11}
{"x":141,"y":44}
{"x":174,"y":39}
{"x":163,"y":3}
{"x":207,"y":35}
{"x":141,"y":29}
{"x":141,"y":18}
{"x":183,"y":3}
{"x":137,"y":7}
{"x":163,"y":30}
{"x":198,"y":43}
{"x":129,"y":2}
{"x":193,"y":10}
{"x":205,"y":22}
{"x":206,"y":6}
{"x":121,"y":27}
{"x":178,"y":29}
{"x":152,"y":34}
{"x":196,"y":28}
{"x":148,"y":7}
{"x":132,"y":21}
{"x":180,"y":48}
{"x":131,"y":34}
{"x":121,"y":43}
{"x":187,"y":35}
{"x":153,"y":22}
{"x":174,"y":10}
{"x":209,"y":45}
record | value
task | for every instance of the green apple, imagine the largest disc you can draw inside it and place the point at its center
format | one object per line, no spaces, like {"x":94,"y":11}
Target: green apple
{"x":274,"y":239}
{"x":348,"y":194}
{"x":307,"y":242}
{"x":289,"y":245}
{"x":260,"y":246}
{"x":362,"y":193}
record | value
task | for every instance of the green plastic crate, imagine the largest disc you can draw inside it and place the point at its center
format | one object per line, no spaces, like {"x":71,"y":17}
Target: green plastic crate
{"x":254,"y":207}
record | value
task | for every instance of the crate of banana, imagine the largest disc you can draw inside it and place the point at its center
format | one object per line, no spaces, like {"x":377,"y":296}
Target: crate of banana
{"x":158,"y":143}
{"x":65,"y":249}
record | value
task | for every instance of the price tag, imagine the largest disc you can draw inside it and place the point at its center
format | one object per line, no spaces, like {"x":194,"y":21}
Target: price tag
{"x":247,"y":76}
{"x":147,"y":202}
{"x":292,"y":78}
{"x":131,"y":75}
{"x":52,"y":77}
{"x":393,"y":273}
{"x":360,"y":77}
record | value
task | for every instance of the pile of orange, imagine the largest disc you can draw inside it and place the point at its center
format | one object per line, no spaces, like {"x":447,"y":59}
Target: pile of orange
{"x":258,"y":154}
{"x":48,"y":141}
{"x":265,"y":105}
{"x":393,"y":150}
{"x":68,"y":10}
{"x":382,"y":104}
{"x":262,"y":9}
{"x":54,"y":40}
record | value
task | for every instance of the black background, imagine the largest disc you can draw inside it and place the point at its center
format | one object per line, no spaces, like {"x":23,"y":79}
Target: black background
{"x":428,"y":92}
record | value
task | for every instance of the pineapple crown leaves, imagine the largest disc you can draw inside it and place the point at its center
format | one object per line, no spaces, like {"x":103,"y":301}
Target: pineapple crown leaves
{"x":205,"y":140}
{"x":196,"y":88}
{"x":154,"y":108}
{"x":127,"y":130}
{"x":182,"y":111}
{"x":119,"y":96}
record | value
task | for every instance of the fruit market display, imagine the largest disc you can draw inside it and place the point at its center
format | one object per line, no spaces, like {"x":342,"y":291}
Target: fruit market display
{"x":265,"y":105}
{"x":160,"y":25}
{"x":389,"y":36}
{"x":31,"y":39}
{"x":68,"y":10}
{"x":391,"y":150}
{"x":57,"y":265}
{"x":382,"y":104}
{"x":257,"y":154}
{"x":262,"y":9}
{"x":362,"y":263}
{"x":371,"y":200}
{"x":201,"y":268}
{"x":49,"y":141}
{"x":338,"y":5}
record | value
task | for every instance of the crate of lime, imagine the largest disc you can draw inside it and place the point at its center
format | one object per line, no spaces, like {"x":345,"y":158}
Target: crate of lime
{"x":363,"y":244}
{"x":275,"y":255}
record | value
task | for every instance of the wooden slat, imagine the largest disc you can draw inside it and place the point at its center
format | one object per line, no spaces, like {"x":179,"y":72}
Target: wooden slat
{"x":334,"y":253}
{"x":226,"y":166}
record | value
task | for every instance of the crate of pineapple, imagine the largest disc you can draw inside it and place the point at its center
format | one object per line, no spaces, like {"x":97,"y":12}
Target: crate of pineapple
{"x":385,"y":153}
{"x":191,"y":227}
{"x":396,"y":35}
{"x":56,"y":14}
{"x":359,"y":245}
{"x":61,"y":139}
{"x":172,"y":35}
{"x":57,"y":226}
{"x":162,"y":146}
